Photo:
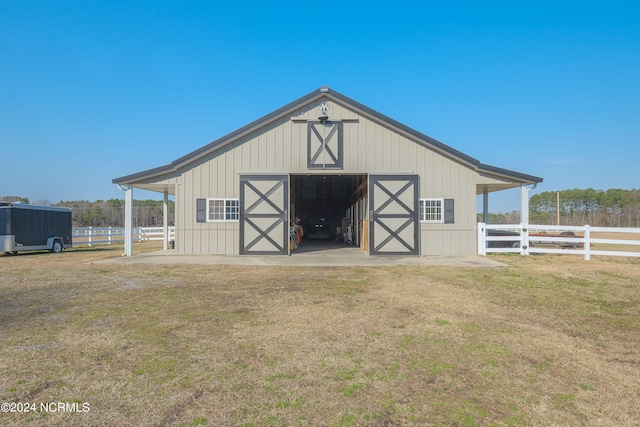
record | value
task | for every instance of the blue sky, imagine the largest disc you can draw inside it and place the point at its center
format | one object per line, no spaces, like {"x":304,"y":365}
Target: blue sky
{"x":94,"y":90}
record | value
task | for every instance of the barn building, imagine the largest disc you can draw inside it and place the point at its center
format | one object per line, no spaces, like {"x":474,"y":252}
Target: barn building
{"x":335,"y":166}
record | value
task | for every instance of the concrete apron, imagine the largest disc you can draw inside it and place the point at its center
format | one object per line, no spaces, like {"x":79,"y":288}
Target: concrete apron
{"x":344,"y":256}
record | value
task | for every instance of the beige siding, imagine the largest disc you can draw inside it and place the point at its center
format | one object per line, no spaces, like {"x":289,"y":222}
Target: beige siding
{"x":281,"y":148}
{"x":211,"y":177}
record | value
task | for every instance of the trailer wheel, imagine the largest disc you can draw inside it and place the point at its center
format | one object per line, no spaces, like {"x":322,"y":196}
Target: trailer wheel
{"x":56,"y":248}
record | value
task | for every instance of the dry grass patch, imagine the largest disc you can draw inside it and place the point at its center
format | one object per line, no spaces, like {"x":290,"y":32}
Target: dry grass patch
{"x":617,"y":246}
{"x":548,"y":340}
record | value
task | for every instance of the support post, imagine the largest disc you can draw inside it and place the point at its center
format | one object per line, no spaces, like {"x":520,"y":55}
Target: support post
{"x":165,"y":220}
{"x":485,"y":205}
{"x":524,"y":204}
{"x":128,"y":222}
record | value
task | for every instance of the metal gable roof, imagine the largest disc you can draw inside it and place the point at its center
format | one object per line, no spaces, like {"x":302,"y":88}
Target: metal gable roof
{"x":506,"y":173}
{"x":336,"y":96}
{"x":427,"y":140}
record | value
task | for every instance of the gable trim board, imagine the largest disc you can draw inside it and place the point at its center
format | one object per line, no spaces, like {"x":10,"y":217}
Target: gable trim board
{"x":299,"y":139}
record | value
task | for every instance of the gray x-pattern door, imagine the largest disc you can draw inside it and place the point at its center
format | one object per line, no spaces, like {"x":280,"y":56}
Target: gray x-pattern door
{"x":264,"y":228}
{"x":324,"y":145}
{"x":393,"y":217}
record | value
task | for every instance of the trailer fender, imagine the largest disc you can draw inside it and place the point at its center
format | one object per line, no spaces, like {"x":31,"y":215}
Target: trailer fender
{"x":54,"y":244}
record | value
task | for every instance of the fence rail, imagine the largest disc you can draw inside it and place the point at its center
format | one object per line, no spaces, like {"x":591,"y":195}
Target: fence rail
{"x":108,"y":235}
{"x":584,"y":240}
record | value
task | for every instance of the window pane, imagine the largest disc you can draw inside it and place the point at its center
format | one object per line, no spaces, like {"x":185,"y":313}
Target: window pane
{"x":232,"y":210}
{"x":223,"y":209}
{"x":216,"y":210}
{"x":431,"y":210}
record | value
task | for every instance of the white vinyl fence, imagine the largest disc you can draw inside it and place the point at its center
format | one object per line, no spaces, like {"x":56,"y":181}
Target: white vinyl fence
{"x":584,"y":240}
{"x":109,"y":235}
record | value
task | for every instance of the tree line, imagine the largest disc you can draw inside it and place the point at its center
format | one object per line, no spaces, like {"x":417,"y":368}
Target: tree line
{"x":108,"y":213}
{"x":601,"y":208}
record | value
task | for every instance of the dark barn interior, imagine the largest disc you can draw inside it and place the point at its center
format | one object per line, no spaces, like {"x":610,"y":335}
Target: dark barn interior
{"x":321,"y":202}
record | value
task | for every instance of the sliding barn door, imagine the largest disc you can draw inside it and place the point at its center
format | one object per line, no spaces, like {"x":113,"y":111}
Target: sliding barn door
{"x":393,"y":219}
{"x":264,"y":225}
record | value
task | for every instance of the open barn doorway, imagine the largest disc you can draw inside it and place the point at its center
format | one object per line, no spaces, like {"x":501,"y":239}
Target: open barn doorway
{"x":331,"y":209}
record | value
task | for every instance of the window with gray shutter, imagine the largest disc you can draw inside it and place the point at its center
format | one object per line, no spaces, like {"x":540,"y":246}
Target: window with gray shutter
{"x":448,"y":211}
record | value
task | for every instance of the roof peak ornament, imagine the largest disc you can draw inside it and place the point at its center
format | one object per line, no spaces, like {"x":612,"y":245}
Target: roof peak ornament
{"x":324,"y":110}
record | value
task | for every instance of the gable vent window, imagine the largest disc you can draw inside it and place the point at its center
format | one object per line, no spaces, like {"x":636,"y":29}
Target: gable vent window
{"x":437,"y":211}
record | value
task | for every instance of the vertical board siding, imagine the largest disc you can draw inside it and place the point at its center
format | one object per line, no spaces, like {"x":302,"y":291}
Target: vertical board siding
{"x":394,"y":157}
{"x":369,"y":147}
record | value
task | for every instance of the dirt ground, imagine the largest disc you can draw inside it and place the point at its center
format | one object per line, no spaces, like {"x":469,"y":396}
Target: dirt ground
{"x":545,"y":340}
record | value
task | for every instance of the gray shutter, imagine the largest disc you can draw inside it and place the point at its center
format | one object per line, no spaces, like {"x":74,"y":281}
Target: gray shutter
{"x":448,"y":211}
{"x":201,"y":210}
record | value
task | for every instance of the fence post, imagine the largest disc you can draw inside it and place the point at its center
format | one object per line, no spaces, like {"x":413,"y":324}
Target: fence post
{"x":524,"y":239}
{"x":109,"y":239}
{"x":482,"y":239}
{"x":90,"y":236}
{"x":587,"y":242}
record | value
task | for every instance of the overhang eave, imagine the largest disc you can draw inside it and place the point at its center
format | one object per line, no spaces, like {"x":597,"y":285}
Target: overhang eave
{"x":490,"y":188}
{"x":151,"y":180}
{"x":499,"y":179}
